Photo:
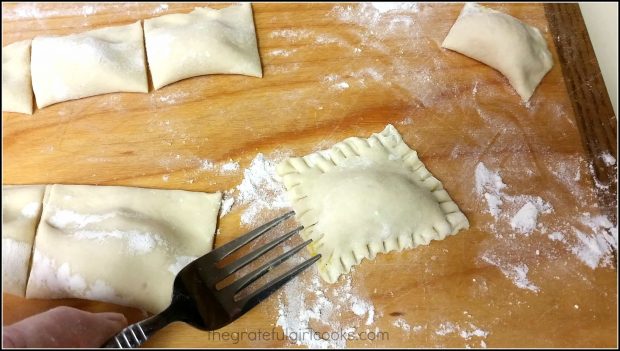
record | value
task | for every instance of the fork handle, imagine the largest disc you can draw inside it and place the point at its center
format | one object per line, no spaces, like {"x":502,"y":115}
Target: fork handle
{"x":136,"y":334}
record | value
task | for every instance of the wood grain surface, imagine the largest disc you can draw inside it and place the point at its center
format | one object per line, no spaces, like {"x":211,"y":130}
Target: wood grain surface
{"x":337,"y":70}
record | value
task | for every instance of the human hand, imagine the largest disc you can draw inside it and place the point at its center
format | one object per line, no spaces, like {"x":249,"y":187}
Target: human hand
{"x":63,"y":327}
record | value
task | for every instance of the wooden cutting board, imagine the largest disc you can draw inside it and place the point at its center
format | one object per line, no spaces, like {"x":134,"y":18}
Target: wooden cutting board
{"x":337,"y":70}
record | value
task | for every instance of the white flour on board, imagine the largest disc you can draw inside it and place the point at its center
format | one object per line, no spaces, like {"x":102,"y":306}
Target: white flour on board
{"x":515,"y":272}
{"x":592,"y":239}
{"x":466,"y":333}
{"x":227,"y":203}
{"x":596,"y":249}
{"x":304,"y":308}
{"x":402,"y":324}
{"x":259,"y":190}
{"x":490,"y":186}
{"x":229,"y":167}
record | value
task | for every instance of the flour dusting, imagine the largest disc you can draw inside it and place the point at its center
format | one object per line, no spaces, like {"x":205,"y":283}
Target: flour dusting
{"x":66,"y":218}
{"x":259,"y":190}
{"x":402,"y":324}
{"x":31,"y":210}
{"x":227,"y":203}
{"x":306,"y":309}
{"x":489,"y":184}
{"x":515,"y":272}
{"x":607,"y":158}
{"x":596,"y":249}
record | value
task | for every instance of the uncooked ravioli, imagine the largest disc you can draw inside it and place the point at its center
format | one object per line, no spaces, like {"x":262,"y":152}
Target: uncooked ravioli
{"x":21,"y":209}
{"x":503,"y":42}
{"x":99,"y":61}
{"x":118,"y":244}
{"x":204,"y":41}
{"x":366,"y":196}
{"x":16,"y":84}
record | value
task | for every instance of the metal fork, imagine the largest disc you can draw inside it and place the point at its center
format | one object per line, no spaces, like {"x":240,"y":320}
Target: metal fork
{"x":197,"y":301}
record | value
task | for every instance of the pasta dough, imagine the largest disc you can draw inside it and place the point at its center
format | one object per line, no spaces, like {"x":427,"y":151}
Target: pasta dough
{"x":21,"y":209}
{"x":205,"y":41}
{"x":119,"y":244}
{"x":365,"y":196}
{"x":96,"y":62}
{"x":16,"y":86}
{"x":503,"y":42}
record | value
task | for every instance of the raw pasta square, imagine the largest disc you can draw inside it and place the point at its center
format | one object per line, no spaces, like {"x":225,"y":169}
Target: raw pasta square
{"x":96,"y":62}
{"x":119,"y":244}
{"x":365,"y":196}
{"x":16,"y":84}
{"x":21,"y":209}
{"x":204,"y":41}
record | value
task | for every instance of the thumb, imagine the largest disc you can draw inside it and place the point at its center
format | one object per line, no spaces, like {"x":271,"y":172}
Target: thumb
{"x":64,"y":327}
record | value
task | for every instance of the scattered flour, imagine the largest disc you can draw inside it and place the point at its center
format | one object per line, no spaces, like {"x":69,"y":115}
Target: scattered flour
{"x":307,"y":308}
{"x":490,"y":185}
{"x":49,"y":274}
{"x":291,"y":34}
{"x":557,"y":236}
{"x":180,"y":263}
{"x":466,"y":333}
{"x":384,"y":7}
{"x":66,"y":218}
{"x":15,"y":260}
{"x":227,"y":203}
{"x":172,"y":98}
{"x":281,"y":52}
{"x":335,"y":82}
{"x":31,"y":210}
{"x":607,"y":158}
{"x":515,"y":272}
{"x":161,"y":8}
{"x":526,"y":218}
{"x":137,"y":242}
{"x":596,"y":250}
{"x":207,"y":165}
{"x":259,"y":190}
{"x":31,"y":10}
{"x":229,"y":167}
{"x":402,"y":324}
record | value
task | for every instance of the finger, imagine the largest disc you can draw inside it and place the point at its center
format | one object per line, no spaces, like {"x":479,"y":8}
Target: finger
{"x":64,"y":327}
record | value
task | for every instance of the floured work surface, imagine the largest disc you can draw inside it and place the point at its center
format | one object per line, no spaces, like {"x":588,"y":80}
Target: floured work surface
{"x":534,"y":269}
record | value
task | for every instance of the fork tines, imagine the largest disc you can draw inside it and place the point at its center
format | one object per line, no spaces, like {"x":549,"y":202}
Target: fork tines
{"x":219,"y":274}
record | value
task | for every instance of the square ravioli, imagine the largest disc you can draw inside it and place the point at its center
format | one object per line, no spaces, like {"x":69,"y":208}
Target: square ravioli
{"x":365,"y":196}
{"x":118,"y":244}
{"x":100,"y":61}
{"x":21,"y":209}
{"x":204,"y":41}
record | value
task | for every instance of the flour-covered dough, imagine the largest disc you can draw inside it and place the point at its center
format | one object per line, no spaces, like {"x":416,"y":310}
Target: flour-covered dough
{"x":16,"y":86}
{"x":96,"y":62}
{"x":205,"y":41}
{"x":365,"y":196}
{"x":21,"y":210}
{"x":503,"y":42}
{"x":119,"y":244}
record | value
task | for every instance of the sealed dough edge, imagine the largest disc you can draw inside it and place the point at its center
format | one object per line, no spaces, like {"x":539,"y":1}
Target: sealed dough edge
{"x":118,"y":244}
{"x":204,"y":41}
{"x":515,"y":49}
{"x":16,"y":83}
{"x":362,"y":197}
{"x":95,"y":62}
{"x":21,"y":211}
